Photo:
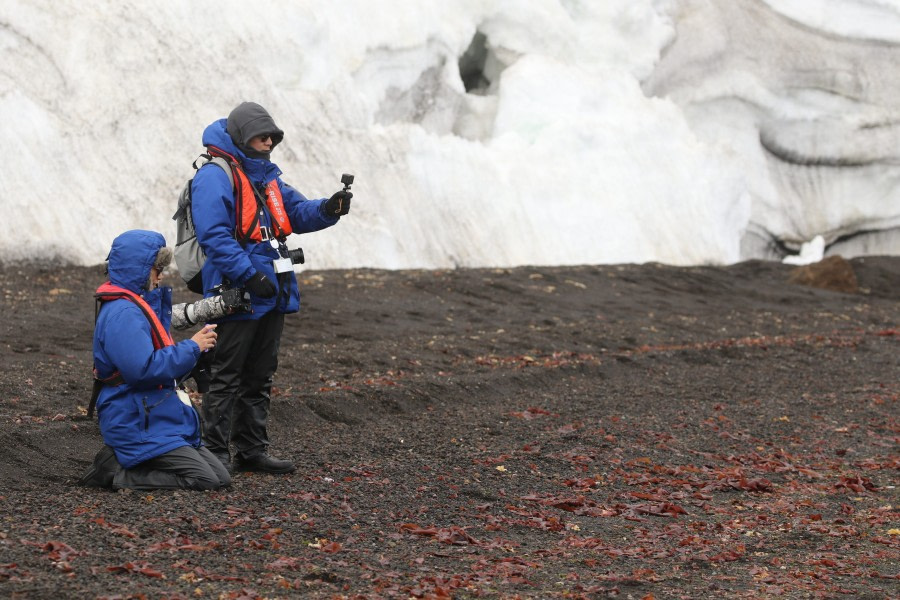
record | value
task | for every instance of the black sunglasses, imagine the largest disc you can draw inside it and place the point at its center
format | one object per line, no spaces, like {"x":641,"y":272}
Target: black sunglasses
{"x":265,"y":136}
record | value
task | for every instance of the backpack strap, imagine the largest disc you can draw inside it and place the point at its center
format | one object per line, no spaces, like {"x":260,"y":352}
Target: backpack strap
{"x":222,"y":164}
{"x":184,"y":202}
{"x":230,"y":164}
{"x":226,"y":161}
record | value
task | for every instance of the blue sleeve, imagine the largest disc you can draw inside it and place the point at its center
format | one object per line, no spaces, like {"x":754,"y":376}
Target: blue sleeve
{"x":127,"y":343}
{"x":212,"y":207}
{"x":306,"y":215}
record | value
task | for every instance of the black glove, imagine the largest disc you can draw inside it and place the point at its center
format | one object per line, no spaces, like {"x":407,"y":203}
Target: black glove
{"x":260,"y":285}
{"x":339,"y":204}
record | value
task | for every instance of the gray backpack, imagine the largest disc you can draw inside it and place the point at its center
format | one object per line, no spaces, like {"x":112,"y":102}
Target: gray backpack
{"x":189,"y":256}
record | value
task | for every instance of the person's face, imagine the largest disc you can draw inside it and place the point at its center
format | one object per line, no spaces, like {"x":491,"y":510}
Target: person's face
{"x":261,"y":143}
{"x":156,"y":276}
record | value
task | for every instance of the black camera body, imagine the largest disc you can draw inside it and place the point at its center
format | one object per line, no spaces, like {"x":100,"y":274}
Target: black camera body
{"x":236,"y":300}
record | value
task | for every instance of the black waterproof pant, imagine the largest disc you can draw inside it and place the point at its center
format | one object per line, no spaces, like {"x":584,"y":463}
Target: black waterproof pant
{"x":184,"y":468}
{"x":236,"y":407}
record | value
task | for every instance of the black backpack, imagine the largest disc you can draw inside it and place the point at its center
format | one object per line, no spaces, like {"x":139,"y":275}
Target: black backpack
{"x":189,"y":256}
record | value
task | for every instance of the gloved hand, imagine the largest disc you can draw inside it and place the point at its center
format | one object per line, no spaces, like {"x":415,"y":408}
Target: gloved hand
{"x":260,"y":286}
{"x":338,"y":204}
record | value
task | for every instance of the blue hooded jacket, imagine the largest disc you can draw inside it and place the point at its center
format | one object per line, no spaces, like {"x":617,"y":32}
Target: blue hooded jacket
{"x":143,"y":417}
{"x":213,"y":211}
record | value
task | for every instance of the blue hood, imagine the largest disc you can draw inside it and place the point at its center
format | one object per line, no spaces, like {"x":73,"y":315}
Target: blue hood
{"x":131,"y":258}
{"x":259,"y":170}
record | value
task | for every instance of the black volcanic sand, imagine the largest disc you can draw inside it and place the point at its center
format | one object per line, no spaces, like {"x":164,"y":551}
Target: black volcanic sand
{"x":574,"y":432}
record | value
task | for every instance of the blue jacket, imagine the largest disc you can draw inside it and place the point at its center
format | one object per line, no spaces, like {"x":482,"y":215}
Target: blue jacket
{"x":212,"y":207}
{"x":143,"y":417}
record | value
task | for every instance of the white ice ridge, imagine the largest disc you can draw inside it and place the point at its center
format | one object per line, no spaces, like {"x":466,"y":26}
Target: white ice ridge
{"x":860,"y":19}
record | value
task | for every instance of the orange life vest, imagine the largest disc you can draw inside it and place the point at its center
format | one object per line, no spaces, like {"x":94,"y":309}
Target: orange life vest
{"x":158,"y":334}
{"x":161,"y":337}
{"x":248,"y":207}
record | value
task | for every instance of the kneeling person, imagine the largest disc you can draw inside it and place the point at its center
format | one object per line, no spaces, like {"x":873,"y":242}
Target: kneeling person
{"x":152,"y":436}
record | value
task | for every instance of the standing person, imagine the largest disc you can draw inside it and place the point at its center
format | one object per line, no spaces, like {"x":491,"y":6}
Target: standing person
{"x":242,"y":228}
{"x":152,"y":436}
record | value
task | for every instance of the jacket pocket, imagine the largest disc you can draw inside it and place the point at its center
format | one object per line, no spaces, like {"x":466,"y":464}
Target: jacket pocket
{"x":163,"y":414}
{"x":152,"y":410}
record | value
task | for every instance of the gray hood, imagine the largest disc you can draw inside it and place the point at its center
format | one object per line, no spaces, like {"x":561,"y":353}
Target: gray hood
{"x":248,"y":120}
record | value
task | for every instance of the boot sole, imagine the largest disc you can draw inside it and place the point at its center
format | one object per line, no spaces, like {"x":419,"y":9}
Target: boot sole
{"x":243,"y":469}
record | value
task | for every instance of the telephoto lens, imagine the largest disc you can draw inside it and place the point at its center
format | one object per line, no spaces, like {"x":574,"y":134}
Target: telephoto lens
{"x":188,"y":314}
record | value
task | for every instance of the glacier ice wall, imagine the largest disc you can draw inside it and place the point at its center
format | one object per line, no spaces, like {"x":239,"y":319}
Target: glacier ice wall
{"x":481,"y":132}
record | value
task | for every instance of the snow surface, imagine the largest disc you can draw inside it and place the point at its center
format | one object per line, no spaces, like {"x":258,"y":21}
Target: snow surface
{"x":679,"y":131}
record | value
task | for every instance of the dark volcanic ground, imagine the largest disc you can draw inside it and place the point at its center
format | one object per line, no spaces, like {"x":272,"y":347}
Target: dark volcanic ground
{"x":573,"y":432}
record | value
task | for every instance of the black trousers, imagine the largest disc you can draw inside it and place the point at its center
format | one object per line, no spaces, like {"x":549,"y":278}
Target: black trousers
{"x":184,"y":468}
{"x":236,"y":407}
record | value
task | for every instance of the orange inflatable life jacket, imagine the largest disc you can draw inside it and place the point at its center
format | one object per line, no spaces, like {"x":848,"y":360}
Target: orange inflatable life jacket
{"x":161,"y":337}
{"x":249,"y":206}
{"x":158,"y":333}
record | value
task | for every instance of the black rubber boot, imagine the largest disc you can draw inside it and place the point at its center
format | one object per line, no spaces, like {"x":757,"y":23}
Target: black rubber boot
{"x":225,"y":459}
{"x":263,"y":463}
{"x":103,"y":470}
